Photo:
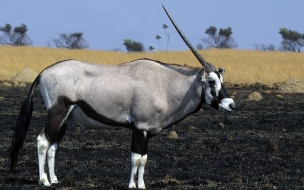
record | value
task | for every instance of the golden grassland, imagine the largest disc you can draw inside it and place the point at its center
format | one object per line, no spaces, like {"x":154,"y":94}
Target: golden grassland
{"x":242,"y":66}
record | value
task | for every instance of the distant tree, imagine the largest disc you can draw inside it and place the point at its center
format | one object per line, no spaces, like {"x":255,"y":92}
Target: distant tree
{"x":133,"y":46}
{"x":221,"y":40}
{"x":263,"y":47}
{"x":211,"y":31}
{"x":49,"y":43}
{"x":292,"y":40}
{"x":158,"y":37}
{"x":71,"y":41}
{"x":16,"y":37}
{"x":116,"y":49}
{"x":168,"y":35}
{"x":199,"y":46}
{"x":151,"y":48}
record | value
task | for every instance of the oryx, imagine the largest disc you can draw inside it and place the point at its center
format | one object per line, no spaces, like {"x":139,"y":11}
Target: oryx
{"x":145,"y":96}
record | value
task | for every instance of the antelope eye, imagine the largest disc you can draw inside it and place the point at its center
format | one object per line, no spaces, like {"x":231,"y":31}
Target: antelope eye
{"x":212,"y":83}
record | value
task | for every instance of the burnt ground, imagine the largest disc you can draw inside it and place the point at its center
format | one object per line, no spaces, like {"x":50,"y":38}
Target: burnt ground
{"x":259,"y":146}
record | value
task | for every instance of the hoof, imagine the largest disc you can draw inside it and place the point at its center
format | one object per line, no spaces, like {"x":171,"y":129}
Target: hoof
{"x":132,"y":186}
{"x":141,"y":186}
{"x":54,"y":180}
{"x":44,"y":181}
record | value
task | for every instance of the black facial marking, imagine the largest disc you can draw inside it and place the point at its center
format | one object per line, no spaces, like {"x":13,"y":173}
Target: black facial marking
{"x":213,"y":92}
{"x":215,"y":103}
{"x":223,"y":93}
{"x":218,"y":74}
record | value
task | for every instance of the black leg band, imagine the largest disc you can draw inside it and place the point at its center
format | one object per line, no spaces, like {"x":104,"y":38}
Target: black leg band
{"x":139,"y":142}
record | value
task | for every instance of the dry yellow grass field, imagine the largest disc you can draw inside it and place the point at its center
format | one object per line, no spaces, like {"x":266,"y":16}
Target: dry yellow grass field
{"x":242,"y":66}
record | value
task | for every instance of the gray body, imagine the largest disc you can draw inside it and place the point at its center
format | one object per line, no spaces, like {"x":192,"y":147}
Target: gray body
{"x":143,"y":95}
{"x":147,"y":93}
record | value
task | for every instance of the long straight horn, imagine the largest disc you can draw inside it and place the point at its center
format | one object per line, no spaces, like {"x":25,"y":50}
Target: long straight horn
{"x":207,"y":66}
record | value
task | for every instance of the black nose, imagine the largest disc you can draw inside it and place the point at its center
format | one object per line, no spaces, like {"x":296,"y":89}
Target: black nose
{"x":232,"y":106}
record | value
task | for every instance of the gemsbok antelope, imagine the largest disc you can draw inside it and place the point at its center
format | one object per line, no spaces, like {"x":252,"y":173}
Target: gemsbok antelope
{"x":145,"y":96}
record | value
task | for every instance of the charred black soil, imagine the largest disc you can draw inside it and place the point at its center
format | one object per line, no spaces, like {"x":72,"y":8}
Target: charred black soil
{"x":259,"y":146}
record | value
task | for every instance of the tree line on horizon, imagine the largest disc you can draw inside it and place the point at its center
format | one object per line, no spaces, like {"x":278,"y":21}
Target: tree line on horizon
{"x":222,"y":39}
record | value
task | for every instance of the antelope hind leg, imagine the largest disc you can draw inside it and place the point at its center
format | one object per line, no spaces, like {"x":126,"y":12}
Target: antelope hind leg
{"x":51,"y":162}
{"x":42,"y":146}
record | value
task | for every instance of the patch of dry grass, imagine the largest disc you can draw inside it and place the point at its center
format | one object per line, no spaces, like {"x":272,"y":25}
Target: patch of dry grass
{"x":242,"y":66}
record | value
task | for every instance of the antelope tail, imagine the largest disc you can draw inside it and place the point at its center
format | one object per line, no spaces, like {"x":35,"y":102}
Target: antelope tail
{"x":22,"y":125}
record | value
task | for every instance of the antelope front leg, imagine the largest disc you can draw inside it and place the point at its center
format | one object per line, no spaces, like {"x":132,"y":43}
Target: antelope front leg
{"x":138,"y":163}
{"x":141,"y":171}
{"x":138,"y":157}
{"x":135,"y":161}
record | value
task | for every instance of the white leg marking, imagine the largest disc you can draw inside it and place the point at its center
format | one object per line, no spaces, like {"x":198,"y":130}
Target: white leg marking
{"x":141,"y":171}
{"x":51,"y":162}
{"x":42,"y":147}
{"x":135,"y":161}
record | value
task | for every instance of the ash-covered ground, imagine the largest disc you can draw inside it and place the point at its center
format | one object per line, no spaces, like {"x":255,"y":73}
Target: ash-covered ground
{"x":259,"y":146}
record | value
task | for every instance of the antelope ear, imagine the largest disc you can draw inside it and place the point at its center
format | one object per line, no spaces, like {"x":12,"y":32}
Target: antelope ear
{"x":203,"y":75}
{"x":221,"y":71}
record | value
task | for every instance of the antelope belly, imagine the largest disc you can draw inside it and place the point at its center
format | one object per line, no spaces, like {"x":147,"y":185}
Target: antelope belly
{"x":86,"y":122}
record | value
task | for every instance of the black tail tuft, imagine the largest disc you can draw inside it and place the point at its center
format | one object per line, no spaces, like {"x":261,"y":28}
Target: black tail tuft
{"x":22,"y":125}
